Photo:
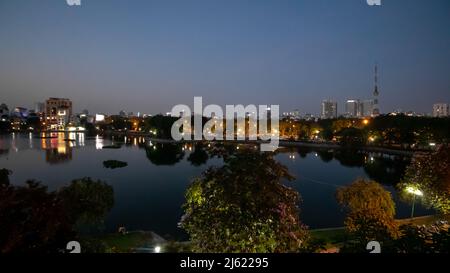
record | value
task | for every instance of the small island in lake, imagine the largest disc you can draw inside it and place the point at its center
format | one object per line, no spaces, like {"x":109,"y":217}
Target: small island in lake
{"x":114,"y":164}
{"x":113,"y":146}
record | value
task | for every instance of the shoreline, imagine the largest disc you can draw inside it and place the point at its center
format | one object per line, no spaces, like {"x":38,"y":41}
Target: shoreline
{"x":282,"y":143}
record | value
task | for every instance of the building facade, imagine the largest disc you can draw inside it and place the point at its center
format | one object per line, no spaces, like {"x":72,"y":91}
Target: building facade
{"x":352,"y":108}
{"x":441,"y":110}
{"x":366,"y":108}
{"x":58,"y":113}
{"x":329,"y":109}
{"x":39,"y":107}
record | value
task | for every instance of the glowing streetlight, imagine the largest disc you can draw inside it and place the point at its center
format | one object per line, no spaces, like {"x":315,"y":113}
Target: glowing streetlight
{"x":415,"y":192}
{"x":157,"y":249}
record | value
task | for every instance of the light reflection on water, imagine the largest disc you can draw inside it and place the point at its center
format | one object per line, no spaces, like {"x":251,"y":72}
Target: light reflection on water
{"x":150,"y":191}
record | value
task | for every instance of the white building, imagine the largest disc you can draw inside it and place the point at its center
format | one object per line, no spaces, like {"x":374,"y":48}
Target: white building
{"x":441,"y":110}
{"x":352,"y":108}
{"x":58,"y":113}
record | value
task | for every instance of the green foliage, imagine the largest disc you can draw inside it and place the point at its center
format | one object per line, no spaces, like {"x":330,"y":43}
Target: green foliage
{"x":371,"y":212}
{"x":32,"y":220}
{"x":423,"y":239}
{"x":87,"y":202}
{"x":388,"y":130}
{"x":162,"y":125}
{"x":244,"y":207}
{"x":352,"y":137}
{"x":164,"y":153}
{"x":4,"y":177}
{"x":199,"y":156}
{"x":430,"y":173}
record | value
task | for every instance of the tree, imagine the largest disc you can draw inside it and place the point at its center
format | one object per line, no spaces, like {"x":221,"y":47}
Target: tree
{"x":161,"y":124}
{"x":352,"y":137}
{"x":4,"y":177}
{"x":164,"y":153}
{"x":87,"y":202}
{"x":243,"y":207}
{"x":424,"y":239}
{"x":32,"y":220}
{"x":430,"y":173}
{"x":199,"y":156}
{"x":370,"y":214}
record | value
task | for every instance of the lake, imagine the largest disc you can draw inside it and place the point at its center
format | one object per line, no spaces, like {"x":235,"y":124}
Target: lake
{"x":149,"y":192}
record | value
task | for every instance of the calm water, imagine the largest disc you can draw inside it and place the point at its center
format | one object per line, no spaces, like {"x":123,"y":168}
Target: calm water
{"x":149,"y":192}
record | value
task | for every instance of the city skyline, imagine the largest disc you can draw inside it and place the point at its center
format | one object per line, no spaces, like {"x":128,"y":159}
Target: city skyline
{"x":295,"y":54}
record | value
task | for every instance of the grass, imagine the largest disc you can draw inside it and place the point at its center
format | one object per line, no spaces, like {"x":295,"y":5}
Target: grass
{"x":424,"y":220}
{"x":125,"y":243}
{"x":332,"y":235}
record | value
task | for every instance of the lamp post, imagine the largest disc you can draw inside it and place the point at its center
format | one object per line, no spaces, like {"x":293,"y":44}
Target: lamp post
{"x":415,"y":192}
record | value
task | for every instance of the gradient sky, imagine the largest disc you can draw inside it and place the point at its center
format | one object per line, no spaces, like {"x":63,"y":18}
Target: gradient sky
{"x":147,"y":56}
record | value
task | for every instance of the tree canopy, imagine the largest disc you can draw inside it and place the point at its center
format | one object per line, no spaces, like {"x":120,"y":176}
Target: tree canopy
{"x":370,"y":212}
{"x":430,"y":174}
{"x":244,"y":207}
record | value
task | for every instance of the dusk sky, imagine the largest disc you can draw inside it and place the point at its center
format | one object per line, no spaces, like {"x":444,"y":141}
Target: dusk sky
{"x":147,"y":56}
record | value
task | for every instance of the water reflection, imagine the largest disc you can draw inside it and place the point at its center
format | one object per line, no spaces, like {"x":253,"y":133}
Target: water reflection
{"x":199,"y":156}
{"x":383,"y":168}
{"x":58,"y":149}
{"x":164,"y":153}
{"x":157,"y":187}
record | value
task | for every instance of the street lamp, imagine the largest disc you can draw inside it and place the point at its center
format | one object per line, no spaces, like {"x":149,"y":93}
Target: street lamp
{"x":415,"y":192}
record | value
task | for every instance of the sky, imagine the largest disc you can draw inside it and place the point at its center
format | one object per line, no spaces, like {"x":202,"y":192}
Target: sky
{"x":147,"y":56}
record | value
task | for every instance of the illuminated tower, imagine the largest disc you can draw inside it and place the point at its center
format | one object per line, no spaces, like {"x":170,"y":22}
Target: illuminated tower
{"x":376,"y":109}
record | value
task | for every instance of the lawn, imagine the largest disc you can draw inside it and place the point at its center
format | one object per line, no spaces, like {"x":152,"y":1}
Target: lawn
{"x":125,"y":243}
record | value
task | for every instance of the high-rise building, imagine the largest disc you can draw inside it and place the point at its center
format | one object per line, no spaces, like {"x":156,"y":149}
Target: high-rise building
{"x":58,"y":113}
{"x":441,"y":110}
{"x":351,"y":108}
{"x":329,"y":109}
{"x":366,"y":108}
{"x":39,"y":107}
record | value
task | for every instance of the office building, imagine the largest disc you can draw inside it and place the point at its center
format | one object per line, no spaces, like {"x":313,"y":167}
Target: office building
{"x":58,"y":113}
{"x":366,"y":108}
{"x":352,"y":108}
{"x":329,"y":109}
{"x":441,"y":110}
{"x":39,"y":107}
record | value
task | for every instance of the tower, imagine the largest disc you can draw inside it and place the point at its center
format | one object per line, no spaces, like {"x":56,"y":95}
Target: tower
{"x":376,"y":109}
